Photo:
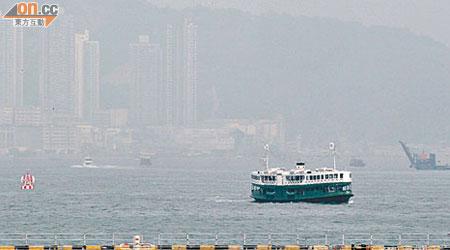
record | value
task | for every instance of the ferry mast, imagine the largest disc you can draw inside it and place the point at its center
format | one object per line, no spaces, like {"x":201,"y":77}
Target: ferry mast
{"x":266,"y":156}
{"x":333,"y":147}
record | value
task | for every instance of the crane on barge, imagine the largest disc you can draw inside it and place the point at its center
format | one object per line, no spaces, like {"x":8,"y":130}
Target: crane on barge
{"x":423,"y":161}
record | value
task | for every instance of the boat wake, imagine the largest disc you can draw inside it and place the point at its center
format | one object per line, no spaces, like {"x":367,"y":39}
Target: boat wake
{"x":224,"y":200}
{"x":81,"y":166}
{"x":102,"y":167}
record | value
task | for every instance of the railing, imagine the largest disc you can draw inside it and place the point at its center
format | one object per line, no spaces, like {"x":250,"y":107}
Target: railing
{"x":67,"y":238}
{"x":240,"y":239}
{"x":302,"y":238}
{"x":399,"y":239}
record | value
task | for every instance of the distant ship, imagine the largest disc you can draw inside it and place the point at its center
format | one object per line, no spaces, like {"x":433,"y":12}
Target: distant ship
{"x":145,"y":159}
{"x":423,"y":161}
{"x":88,"y":162}
{"x":325,"y":185}
{"x":356,"y":162}
{"x":27,"y":181}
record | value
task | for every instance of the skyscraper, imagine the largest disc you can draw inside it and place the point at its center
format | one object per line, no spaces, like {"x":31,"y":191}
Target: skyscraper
{"x":87,"y":79}
{"x":174,"y":76}
{"x":146,"y":79}
{"x":91,"y":90}
{"x":181,"y":74}
{"x":58,"y":93}
{"x":11,"y":65}
{"x":190,"y":73}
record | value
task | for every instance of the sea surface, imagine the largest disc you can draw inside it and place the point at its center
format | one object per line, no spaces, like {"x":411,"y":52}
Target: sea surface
{"x":204,"y":196}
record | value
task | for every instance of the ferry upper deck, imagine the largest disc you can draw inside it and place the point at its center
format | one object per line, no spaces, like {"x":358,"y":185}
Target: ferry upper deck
{"x":300,"y":176}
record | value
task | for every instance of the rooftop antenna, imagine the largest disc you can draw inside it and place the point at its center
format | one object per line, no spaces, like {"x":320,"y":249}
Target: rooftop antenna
{"x":266,"y":156}
{"x":333,"y":147}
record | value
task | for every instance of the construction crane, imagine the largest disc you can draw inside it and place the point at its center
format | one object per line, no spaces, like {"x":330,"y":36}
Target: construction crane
{"x":423,"y":161}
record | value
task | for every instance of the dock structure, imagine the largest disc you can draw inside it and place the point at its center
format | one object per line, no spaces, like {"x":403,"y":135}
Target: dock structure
{"x":216,"y":241}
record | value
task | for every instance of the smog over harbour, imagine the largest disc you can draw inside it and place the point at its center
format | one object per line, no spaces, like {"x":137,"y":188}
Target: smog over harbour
{"x":224,"y":125}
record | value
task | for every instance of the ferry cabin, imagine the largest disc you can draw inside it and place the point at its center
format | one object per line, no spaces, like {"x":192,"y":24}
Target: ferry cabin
{"x":320,"y":185}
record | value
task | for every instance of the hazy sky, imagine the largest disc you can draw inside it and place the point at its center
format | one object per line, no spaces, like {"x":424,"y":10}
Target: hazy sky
{"x":425,"y":17}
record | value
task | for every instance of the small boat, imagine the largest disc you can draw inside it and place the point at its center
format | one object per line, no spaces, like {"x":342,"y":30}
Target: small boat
{"x":145,"y":159}
{"x":356,"y":162}
{"x":27,"y":181}
{"x":88,"y":163}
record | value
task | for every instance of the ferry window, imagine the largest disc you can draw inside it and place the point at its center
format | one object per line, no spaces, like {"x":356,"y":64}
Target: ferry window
{"x":336,"y":176}
{"x":321,"y":177}
{"x":350,"y":175}
{"x":342,"y":175}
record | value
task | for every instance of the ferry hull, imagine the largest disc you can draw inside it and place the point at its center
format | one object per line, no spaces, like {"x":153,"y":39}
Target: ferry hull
{"x":310,"y":193}
{"x":330,"y":199}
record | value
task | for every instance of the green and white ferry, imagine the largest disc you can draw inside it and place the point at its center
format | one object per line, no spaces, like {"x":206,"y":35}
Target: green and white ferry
{"x":324,"y":185}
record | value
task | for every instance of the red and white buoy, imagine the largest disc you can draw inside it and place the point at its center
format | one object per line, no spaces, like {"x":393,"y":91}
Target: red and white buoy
{"x":27,"y":181}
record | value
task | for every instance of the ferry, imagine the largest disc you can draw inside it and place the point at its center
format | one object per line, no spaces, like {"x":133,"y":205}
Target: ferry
{"x":323,"y":185}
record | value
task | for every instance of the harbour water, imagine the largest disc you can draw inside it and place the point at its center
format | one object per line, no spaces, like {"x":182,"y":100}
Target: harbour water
{"x":212,"y":195}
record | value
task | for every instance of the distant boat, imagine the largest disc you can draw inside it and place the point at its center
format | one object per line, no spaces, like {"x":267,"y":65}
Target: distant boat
{"x":356,"y":162}
{"x":88,"y":163}
{"x":145,"y":159}
{"x":27,"y":181}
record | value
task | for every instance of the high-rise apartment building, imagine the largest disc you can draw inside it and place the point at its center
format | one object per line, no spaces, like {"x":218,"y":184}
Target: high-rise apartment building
{"x":181,"y":74}
{"x":174,"y":76}
{"x":11,"y":65}
{"x":146,"y":82}
{"x":190,"y":73}
{"x":87,"y":79}
{"x":58,"y":93}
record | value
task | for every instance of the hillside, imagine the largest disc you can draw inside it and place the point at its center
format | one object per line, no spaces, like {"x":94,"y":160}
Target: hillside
{"x":329,"y":79}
